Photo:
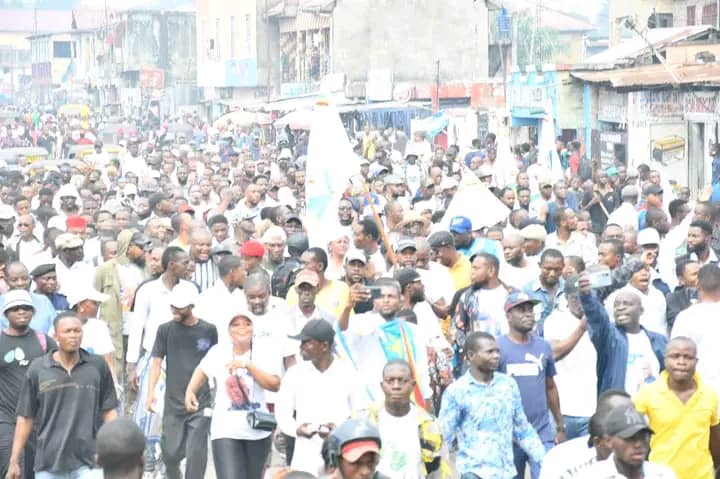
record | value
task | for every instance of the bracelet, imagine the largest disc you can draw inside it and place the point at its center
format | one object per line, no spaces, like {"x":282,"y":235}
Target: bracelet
{"x":560,"y":428}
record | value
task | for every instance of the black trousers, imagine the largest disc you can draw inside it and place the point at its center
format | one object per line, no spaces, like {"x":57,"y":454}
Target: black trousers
{"x":185,"y":437}
{"x":27,"y":461}
{"x":235,"y":458}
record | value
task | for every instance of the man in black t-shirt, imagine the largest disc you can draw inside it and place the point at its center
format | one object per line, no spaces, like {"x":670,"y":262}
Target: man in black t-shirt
{"x":183,"y":342}
{"x":19,"y":345}
{"x":67,"y":394}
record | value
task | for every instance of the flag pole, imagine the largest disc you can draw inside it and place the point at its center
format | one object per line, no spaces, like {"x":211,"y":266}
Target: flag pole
{"x":378,"y":222}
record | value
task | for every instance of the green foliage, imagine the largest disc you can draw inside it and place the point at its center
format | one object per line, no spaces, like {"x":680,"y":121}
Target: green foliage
{"x":536,"y":46}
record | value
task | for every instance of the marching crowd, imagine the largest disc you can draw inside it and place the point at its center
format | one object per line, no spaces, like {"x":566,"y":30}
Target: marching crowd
{"x":183,"y":286}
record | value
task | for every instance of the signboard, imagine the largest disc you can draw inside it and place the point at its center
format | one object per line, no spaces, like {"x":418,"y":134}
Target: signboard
{"x":152,"y":78}
{"x":241,"y":73}
{"x":656,"y":104}
{"x":612,"y":106}
{"x":612,"y":145}
{"x":379,"y":85}
{"x":701,"y":105}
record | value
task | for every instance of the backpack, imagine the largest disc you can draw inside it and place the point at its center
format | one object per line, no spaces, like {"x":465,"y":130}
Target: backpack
{"x":41,"y":337}
{"x":283,"y":278}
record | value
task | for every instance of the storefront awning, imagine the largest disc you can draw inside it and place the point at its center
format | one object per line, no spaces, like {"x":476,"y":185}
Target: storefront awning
{"x":653,"y":75}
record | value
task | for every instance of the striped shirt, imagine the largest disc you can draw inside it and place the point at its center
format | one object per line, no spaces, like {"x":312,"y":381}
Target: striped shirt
{"x":205,"y":274}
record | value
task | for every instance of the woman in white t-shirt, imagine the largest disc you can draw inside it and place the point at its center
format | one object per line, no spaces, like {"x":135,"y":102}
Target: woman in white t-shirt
{"x":241,"y":374}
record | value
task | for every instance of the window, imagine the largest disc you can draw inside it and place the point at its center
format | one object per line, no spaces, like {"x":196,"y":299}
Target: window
{"x":709,"y":14}
{"x":690,"y":16}
{"x":62,"y":50}
{"x":217,"y":38}
{"x":232,"y":37}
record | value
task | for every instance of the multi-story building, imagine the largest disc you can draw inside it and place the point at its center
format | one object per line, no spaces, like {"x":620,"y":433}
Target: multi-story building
{"x":643,"y":13}
{"x":17,"y":27}
{"x":149,"y":62}
{"x":687,"y":13}
{"x":237,"y":50}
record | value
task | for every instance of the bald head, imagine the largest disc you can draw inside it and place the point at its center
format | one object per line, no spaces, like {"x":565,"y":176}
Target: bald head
{"x":512,"y":244}
{"x":17,"y":276}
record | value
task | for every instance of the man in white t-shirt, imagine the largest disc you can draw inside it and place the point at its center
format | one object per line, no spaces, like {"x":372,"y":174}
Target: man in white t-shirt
{"x":699,"y":323}
{"x":516,"y":271}
{"x":402,"y":425}
{"x":571,"y":459}
{"x":301,"y":412}
{"x":575,"y":360}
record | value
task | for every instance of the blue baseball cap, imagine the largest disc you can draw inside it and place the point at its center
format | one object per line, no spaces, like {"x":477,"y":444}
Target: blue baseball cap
{"x":516,"y":298}
{"x":460,"y":225}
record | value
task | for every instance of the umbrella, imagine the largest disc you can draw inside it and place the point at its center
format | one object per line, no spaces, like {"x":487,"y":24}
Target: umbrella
{"x":242,"y":118}
{"x":298,"y":119}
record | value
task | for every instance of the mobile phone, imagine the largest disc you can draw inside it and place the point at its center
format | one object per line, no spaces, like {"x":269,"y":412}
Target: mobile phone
{"x":374,"y":291}
{"x":599,"y":276}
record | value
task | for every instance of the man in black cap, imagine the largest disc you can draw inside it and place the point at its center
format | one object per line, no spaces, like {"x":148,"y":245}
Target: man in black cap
{"x":46,"y":284}
{"x":300,"y":411}
{"x":284,"y":275}
{"x":630,"y":442}
{"x":119,"y":278}
{"x":443,"y":244}
{"x":160,"y":205}
{"x":413,"y":297}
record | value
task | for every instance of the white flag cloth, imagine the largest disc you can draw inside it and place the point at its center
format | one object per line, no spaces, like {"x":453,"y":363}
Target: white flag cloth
{"x":330,"y":166}
{"x":474,"y":201}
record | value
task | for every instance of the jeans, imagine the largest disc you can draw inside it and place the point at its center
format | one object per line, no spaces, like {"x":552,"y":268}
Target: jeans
{"x":235,"y":458}
{"x":185,"y":437}
{"x":521,"y":460}
{"x":576,"y":426}
{"x":82,"y":473}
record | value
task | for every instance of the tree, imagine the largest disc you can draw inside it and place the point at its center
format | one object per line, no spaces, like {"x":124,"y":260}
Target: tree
{"x":536,"y":46}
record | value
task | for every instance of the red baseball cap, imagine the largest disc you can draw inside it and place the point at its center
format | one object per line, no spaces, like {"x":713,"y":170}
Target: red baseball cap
{"x":354,"y":450}
{"x":252,"y":248}
{"x":76,"y":221}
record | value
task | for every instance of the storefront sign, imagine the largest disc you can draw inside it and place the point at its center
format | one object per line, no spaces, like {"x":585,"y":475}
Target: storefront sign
{"x":153,"y":78}
{"x":657,"y":104}
{"x":612,"y":106}
{"x":612,"y":147}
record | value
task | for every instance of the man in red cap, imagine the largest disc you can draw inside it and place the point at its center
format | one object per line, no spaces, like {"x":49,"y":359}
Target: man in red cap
{"x":252,"y":253}
{"x":77,"y":225}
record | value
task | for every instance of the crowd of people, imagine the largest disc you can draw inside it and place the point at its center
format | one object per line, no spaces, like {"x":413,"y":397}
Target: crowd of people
{"x":183,"y":286}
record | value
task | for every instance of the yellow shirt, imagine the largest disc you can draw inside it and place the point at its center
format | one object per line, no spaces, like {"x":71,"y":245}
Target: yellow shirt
{"x":460,"y":272}
{"x":332,"y":298}
{"x":682,"y":431}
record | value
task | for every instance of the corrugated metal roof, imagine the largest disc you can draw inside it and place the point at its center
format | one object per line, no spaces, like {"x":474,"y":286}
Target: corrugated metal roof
{"x":49,"y":21}
{"x":629,"y":50}
{"x":652,"y":75}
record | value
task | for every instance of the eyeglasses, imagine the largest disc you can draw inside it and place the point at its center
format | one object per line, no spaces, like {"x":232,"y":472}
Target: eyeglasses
{"x":24,"y":224}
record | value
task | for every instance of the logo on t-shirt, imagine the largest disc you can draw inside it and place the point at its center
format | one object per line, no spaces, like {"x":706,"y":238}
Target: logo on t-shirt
{"x":533,"y":367}
{"x":18,"y":355}
{"x":203,"y":344}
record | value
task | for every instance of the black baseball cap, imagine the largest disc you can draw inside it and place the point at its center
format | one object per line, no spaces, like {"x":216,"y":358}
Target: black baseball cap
{"x":405,"y":276}
{"x":317,"y":329}
{"x":441,"y":238}
{"x":624,"y":422}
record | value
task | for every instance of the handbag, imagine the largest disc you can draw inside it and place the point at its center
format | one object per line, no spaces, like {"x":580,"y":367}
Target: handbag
{"x":260,"y":420}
